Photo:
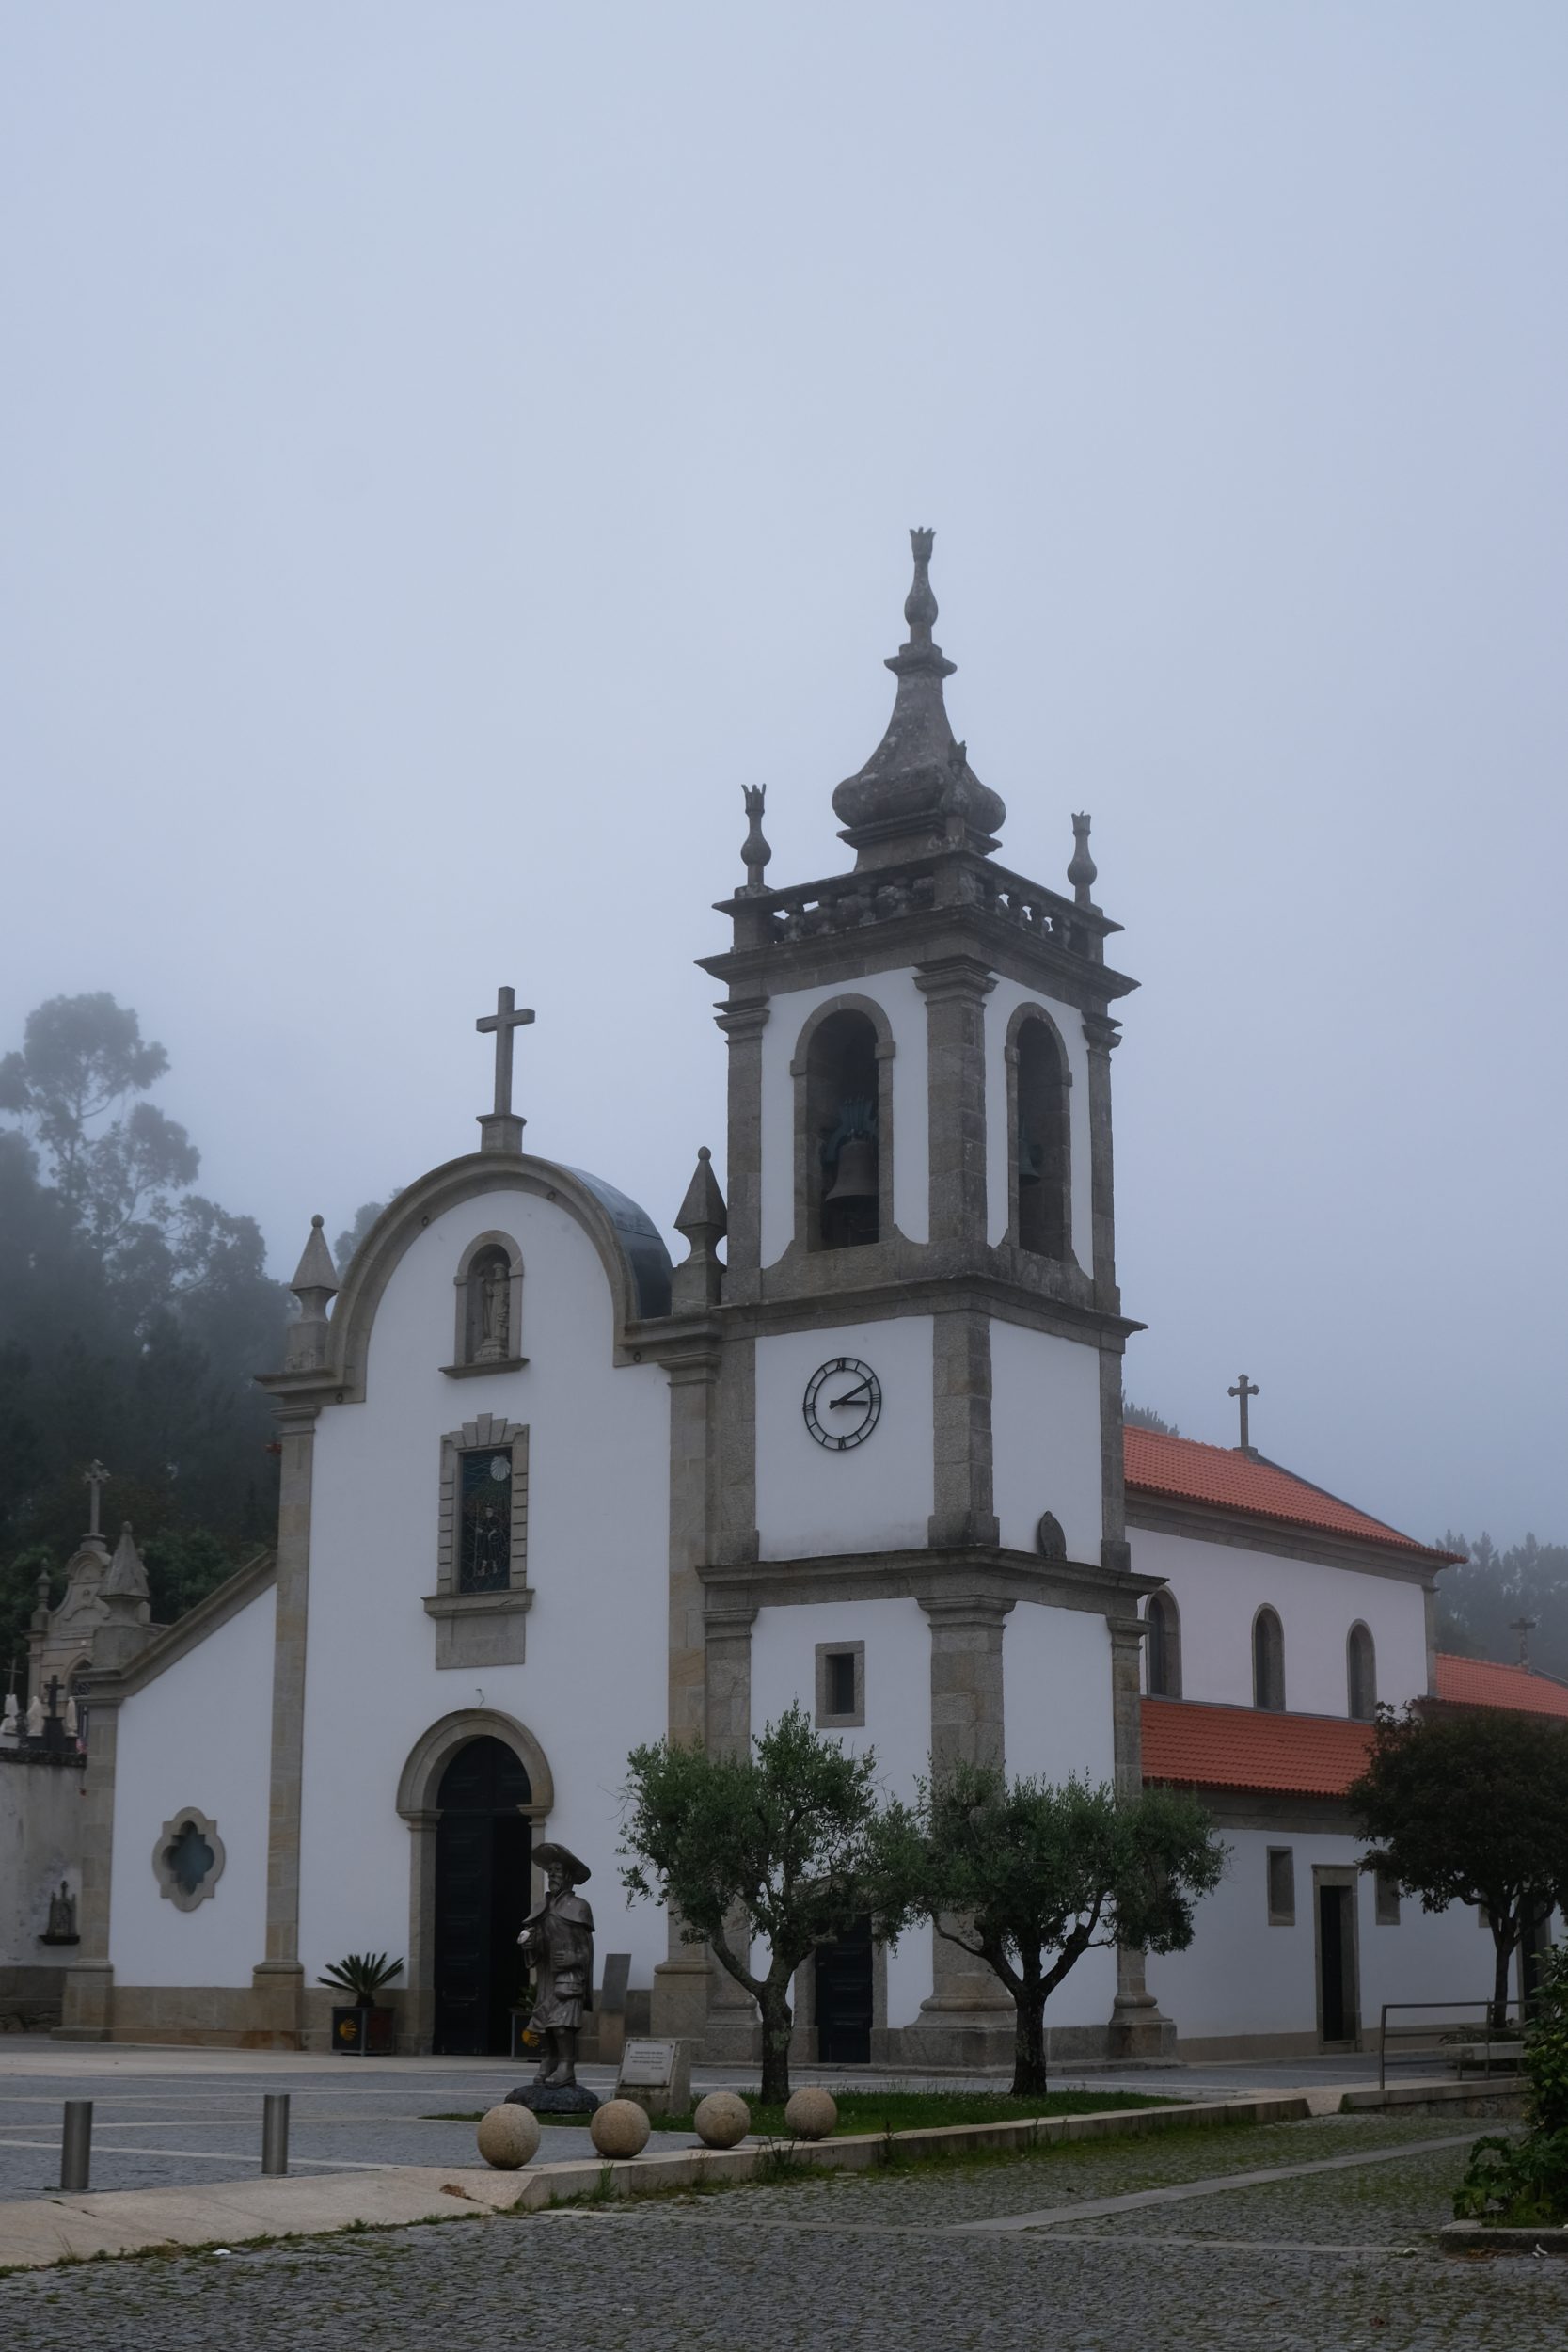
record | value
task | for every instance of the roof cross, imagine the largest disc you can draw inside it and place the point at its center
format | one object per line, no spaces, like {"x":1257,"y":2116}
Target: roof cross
{"x":502,"y":1130}
{"x":95,"y":1478}
{"x":1243,"y":1390}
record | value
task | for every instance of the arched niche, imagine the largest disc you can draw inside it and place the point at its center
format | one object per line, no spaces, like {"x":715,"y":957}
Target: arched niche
{"x":489,"y":1286}
{"x":418,"y":1802}
{"x":843,"y":1075}
{"x":1039,"y":1135}
{"x":1360,"y":1674}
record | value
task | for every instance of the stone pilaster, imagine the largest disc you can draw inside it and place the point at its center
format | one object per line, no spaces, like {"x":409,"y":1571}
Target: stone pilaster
{"x":279,"y":1979}
{"x":733,"y":2027}
{"x":963,"y":1502}
{"x":1101,"y":1035}
{"x":743,"y":1022}
{"x":1137,"y":2028}
{"x":734,"y":1537}
{"x":681,"y":1978}
{"x":955,"y":989}
{"x":87,"y":1998}
{"x":970,"y":2012}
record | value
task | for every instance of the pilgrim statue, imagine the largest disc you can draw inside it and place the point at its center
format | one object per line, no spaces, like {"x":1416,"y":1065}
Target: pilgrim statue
{"x":558,"y":1939}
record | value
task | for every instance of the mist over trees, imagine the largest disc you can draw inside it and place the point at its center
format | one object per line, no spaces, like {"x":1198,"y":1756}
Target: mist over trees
{"x":1479,"y":1602}
{"x":133,"y":1311}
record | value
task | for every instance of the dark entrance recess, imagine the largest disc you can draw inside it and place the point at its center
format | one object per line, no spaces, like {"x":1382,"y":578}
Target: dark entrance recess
{"x":844,"y":1998}
{"x":1337,"y":1962}
{"x":482,"y":1891}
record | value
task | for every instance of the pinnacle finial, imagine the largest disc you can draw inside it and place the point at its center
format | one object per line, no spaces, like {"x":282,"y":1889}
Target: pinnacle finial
{"x":315,"y":1271}
{"x":920,"y":605}
{"x":1083,"y":870}
{"x":755,"y":853}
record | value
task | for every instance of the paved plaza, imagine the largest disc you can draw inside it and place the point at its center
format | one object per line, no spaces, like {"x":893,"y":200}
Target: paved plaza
{"x":1317,"y":2235}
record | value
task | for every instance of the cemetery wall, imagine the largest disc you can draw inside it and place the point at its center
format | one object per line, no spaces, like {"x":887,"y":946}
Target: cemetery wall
{"x":40,"y":1830}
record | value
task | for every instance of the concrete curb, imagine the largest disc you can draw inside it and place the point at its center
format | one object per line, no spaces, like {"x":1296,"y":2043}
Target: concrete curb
{"x":42,"y":2230}
{"x":1479,"y":2239}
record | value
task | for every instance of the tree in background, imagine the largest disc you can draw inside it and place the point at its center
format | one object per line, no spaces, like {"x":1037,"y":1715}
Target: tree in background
{"x":1478,"y":1603}
{"x":1028,"y":1877}
{"x":770,"y":1847}
{"x":1145,"y":1417}
{"x":134,"y":1312}
{"x":1470,"y":1804}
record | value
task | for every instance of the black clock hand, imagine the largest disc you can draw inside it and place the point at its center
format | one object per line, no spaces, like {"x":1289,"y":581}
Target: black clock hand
{"x":854,"y":1394}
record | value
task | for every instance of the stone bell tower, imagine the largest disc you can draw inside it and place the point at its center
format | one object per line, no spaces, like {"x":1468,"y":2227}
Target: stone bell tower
{"x":921,"y":1335}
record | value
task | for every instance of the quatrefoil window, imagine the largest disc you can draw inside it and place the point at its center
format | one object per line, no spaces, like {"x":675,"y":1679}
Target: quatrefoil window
{"x":188,"y":1858}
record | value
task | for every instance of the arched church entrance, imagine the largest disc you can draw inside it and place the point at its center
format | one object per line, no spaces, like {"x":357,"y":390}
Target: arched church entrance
{"x":482,"y":1834}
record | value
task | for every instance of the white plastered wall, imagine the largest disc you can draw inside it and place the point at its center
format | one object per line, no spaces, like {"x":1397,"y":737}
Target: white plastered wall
{"x":877,"y":1497}
{"x":1045,"y":1438}
{"x":1001,"y":1005}
{"x":594,"y":1681}
{"x":898,"y":1721}
{"x":1056,"y":1719}
{"x":1219,"y":1588}
{"x":199,"y":1734}
{"x":1242,"y":1975}
{"x":905,"y":1008}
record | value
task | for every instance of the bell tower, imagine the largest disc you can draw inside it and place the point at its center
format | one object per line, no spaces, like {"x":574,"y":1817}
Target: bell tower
{"x":920,"y":1333}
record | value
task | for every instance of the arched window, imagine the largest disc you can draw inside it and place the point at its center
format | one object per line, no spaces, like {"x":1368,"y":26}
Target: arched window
{"x":1162,"y":1647}
{"x":489,"y":1302}
{"x":1041,"y":1176}
{"x":1268,"y":1660}
{"x":844,"y":1155}
{"x":1361,"y":1674}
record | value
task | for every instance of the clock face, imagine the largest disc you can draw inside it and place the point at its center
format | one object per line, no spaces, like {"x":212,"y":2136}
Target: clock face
{"x":843,"y":1401}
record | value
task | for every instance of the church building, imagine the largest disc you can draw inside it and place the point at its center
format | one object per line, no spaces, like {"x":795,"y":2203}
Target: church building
{"x":546,"y":1496}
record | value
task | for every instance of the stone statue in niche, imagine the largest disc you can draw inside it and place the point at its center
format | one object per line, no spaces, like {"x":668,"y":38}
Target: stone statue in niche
{"x":558,"y":1939}
{"x":495,"y":1311}
{"x":62,"y":1917}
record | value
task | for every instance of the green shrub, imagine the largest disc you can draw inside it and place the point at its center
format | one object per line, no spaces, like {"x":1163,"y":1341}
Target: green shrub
{"x":1525,"y":2182}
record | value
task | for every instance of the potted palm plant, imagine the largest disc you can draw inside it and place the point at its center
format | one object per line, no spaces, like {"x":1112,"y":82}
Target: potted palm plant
{"x":366,"y":2028}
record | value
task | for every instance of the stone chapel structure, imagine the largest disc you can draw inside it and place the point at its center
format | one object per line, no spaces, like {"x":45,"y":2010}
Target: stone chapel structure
{"x":544,"y":1496}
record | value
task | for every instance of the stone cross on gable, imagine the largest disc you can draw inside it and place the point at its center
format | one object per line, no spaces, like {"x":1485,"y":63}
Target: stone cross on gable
{"x":95,"y":1478}
{"x":501,"y":1128}
{"x":1243,"y":1390}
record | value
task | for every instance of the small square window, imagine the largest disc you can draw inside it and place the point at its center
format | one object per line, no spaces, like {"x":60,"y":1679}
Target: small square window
{"x":1282,"y":1887}
{"x":1388,"y":1913}
{"x":840,"y":1685}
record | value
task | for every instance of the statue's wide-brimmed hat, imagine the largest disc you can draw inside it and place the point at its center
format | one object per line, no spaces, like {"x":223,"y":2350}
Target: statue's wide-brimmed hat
{"x":565,"y":1859}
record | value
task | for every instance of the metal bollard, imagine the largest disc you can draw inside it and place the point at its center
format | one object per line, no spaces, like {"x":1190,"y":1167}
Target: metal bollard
{"x":76,"y":2144}
{"x":275,"y":2133}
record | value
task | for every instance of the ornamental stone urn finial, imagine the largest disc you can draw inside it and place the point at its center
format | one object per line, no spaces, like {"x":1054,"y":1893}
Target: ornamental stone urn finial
{"x":755,"y":853}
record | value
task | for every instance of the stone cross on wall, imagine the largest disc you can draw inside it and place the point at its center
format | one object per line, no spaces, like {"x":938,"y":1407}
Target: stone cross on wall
{"x":501,"y":1128}
{"x":1243,"y":1390}
{"x":95,"y":1478}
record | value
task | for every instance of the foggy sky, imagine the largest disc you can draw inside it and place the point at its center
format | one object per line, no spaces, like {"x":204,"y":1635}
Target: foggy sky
{"x":449,"y":448}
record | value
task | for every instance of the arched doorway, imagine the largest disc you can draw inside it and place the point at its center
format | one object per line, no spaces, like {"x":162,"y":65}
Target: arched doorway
{"x":483,"y":1838}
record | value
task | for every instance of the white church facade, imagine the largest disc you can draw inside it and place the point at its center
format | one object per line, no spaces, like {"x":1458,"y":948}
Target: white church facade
{"x":545,"y":1497}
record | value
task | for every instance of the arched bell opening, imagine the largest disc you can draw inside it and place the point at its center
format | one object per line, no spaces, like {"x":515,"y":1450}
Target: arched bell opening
{"x":844,"y":1128}
{"x":1040,"y":1156}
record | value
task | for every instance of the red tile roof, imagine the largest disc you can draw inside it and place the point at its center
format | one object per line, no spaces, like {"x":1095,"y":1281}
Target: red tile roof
{"x":1476,"y":1682}
{"x":1245,"y":1747}
{"x":1229,"y":1480}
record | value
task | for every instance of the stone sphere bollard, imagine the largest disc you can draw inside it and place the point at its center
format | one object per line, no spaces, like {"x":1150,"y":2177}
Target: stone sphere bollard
{"x":508,"y":2137}
{"x":619,"y":2128}
{"x":811,"y":2115}
{"x":722,"y":2120}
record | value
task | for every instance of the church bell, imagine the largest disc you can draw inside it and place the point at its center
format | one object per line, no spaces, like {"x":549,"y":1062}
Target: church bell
{"x":855,"y":1178}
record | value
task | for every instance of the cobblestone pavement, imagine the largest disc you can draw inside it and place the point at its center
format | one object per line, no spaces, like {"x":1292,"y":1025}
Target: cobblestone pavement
{"x":1336,"y":2263}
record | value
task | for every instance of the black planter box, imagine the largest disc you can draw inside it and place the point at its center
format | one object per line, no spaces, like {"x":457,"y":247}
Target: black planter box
{"x":364,"y":2032}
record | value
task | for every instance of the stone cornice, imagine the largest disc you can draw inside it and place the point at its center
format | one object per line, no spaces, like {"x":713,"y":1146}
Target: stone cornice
{"x":1207,"y":1522}
{"x":982,"y":1577}
{"x":235,"y":1593}
{"x":918,"y":1285}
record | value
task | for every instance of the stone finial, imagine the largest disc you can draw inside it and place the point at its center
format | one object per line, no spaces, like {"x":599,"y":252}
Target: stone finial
{"x":703,"y":1221}
{"x":10,"y":1723}
{"x":34,"y":1717}
{"x":126,"y":1580}
{"x":315,"y":1286}
{"x":755,"y":853}
{"x":910,"y":797}
{"x":1083,"y":870}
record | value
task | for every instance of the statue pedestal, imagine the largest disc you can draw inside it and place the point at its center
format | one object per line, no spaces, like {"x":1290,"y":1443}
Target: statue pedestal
{"x":558,"y":2099}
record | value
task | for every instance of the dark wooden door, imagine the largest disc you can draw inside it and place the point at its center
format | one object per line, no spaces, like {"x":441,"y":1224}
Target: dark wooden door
{"x":844,"y":1998}
{"x":482,"y":1889}
{"x":1335,"y":1963}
